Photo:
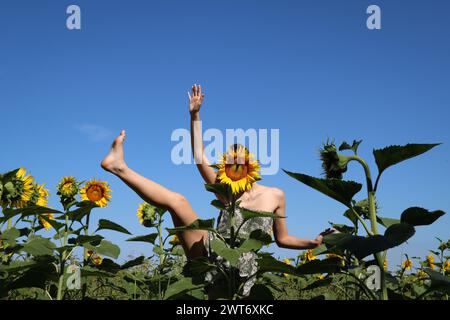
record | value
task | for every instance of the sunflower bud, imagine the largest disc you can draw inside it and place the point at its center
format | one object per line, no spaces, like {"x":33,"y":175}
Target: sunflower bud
{"x":334,"y":164}
{"x":68,"y":187}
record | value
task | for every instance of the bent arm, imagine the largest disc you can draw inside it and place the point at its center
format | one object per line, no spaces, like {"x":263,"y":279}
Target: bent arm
{"x":195,"y":101}
{"x":282,"y":237}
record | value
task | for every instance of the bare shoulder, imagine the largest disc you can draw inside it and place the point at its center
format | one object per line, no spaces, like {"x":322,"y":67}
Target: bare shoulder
{"x":273,"y":192}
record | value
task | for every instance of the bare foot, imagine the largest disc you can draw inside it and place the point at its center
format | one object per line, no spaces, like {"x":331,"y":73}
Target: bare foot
{"x":114,"y":162}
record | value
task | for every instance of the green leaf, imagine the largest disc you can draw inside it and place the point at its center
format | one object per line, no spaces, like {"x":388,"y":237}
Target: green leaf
{"x":84,"y":208}
{"x":10,"y":234}
{"x":198,"y":266}
{"x":438,"y":281}
{"x":392,"y":155}
{"x":93,"y":272}
{"x":231,"y":255}
{"x":94,"y":239}
{"x":150,"y":238}
{"x":420,"y":217}
{"x":181,"y":286}
{"x":105,"y":248}
{"x":196,"y":225}
{"x":28,"y":211}
{"x":219,"y":189}
{"x":132,"y":263}
{"x":270,"y":264}
{"x":319,"y":266}
{"x":218,"y":204}
{"x":339,"y":190}
{"x":387,"y":222}
{"x":248,"y":214}
{"x":260,"y":292}
{"x":354,"y":146}
{"x":361,"y":247}
{"x":38,"y":246}
{"x":109,"y":225}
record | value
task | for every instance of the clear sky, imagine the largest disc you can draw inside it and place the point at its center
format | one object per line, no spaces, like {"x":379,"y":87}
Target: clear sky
{"x":311,"y":69}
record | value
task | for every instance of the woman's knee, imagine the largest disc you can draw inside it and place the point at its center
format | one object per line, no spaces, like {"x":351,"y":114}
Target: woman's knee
{"x":178,"y":201}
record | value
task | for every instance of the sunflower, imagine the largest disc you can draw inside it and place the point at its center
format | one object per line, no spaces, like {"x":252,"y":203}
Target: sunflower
{"x":422,"y":274}
{"x":68,"y":187}
{"x":385,"y":265}
{"x":334,"y":164}
{"x":446,"y":266}
{"x":95,"y":258}
{"x":20,"y":189}
{"x":44,"y":222}
{"x":309,"y":256}
{"x":39,"y":196}
{"x":175,"y":240}
{"x":430,"y":261}
{"x":238,"y":169}
{"x":407,"y":264}
{"x":97,"y":192}
{"x":146,"y":214}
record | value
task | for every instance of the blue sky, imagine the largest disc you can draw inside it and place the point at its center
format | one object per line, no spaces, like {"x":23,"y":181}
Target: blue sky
{"x":309,"y":68}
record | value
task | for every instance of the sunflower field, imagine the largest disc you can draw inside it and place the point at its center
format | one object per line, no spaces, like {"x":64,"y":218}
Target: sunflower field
{"x":77,"y":262}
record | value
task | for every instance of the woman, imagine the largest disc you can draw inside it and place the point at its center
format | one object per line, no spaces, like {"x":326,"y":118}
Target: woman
{"x":258,"y":197}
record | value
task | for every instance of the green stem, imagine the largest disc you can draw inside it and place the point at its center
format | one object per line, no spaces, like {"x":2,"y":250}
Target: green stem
{"x":62,"y":263}
{"x":373,"y":222}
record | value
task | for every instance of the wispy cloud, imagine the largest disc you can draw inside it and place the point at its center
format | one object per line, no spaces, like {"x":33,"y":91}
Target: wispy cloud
{"x":95,"y":133}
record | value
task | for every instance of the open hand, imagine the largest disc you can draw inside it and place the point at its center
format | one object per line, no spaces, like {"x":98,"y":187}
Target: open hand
{"x":195,"y":99}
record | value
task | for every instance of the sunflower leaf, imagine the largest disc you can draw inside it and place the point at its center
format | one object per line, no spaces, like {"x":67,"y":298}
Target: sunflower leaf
{"x":104,"y":224}
{"x":339,"y":190}
{"x":150,"y":238}
{"x":392,"y":155}
{"x":420,"y":217}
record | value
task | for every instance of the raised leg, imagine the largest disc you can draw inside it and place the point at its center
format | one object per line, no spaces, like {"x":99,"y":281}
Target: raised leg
{"x":154,"y":193}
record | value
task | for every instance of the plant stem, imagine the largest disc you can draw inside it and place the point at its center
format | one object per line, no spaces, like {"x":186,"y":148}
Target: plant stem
{"x":373,"y":223}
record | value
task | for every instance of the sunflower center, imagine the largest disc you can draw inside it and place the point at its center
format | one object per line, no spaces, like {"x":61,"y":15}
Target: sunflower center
{"x":94,"y":193}
{"x":236,"y":171}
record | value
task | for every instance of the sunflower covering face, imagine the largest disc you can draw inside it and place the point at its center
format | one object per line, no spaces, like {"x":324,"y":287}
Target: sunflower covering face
{"x":97,"y":192}
{"x":238,"y":169}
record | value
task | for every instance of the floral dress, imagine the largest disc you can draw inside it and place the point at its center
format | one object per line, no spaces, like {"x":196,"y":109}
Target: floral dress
{"x":247,"y":265}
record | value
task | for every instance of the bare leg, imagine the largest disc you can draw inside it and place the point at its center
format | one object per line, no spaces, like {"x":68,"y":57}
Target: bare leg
{"x":153,"y":193}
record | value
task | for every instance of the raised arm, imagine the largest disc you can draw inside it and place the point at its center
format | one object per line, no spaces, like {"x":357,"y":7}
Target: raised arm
{"x":282,"y":237}
{"x":195,"y":102}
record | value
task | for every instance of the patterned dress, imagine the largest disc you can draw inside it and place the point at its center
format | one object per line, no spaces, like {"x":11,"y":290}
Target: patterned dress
{"x":247,"y":261}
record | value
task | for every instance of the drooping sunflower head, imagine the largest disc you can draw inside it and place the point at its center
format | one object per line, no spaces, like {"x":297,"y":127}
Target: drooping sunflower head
{"x":334,"y":164}
{"x":407,"y":264}
{"x":39,"y":195}
{"x":147,"y":214}
{"x":18,"y":191}
{"x":238,"y":169}
{"x":44,"y":220}
{"x":97,"y":192}
{"x":68,"y":187}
